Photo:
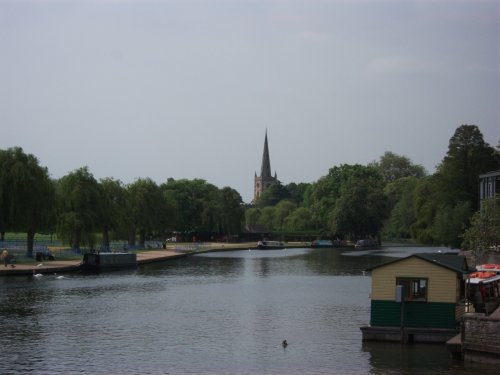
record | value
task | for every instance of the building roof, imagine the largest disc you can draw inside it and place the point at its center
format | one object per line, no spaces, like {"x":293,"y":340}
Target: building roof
{"x":457,"y":263}
{"x":490,"y":174}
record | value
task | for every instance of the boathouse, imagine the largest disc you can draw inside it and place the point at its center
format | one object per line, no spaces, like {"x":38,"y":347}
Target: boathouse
{"x":420,"y":298}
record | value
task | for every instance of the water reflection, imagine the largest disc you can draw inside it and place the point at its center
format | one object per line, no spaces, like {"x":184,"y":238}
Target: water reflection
{"x":216,"y":313}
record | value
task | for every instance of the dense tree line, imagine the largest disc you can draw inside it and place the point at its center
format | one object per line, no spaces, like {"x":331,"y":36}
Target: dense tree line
{"x":392,"y":197}
{"x":81,"y":209}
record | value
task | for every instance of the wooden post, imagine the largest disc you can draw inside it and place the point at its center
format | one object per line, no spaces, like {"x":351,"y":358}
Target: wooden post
{"x":400,"y":297}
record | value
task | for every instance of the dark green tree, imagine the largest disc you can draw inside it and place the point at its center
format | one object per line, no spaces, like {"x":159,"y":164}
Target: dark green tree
{"x":400,"y":197}
{"x":450,"y":222}
{"x":426,"y":202}
{"x":78,"y":204}
{"x":297,"y":192}
{"x":445,"y":201}
{"x":147,"y":209}
{"x":273,"y":194}
{"x":4,"y":213}
{"x":349,"y":200}
{"x":393,"y":167}
{"x":232,"y":213}
{"x":113,"y":208}
{"x":190,"y":197}
{"x":27,"y":195}
{"x":301,"y":219}
{"x":468,"y":156}
{"x":282,"y":210}
{"x":252,"y":215}
{"x":484,"y":231}
{"x":267,"y":217}
{"x":361,"y":208}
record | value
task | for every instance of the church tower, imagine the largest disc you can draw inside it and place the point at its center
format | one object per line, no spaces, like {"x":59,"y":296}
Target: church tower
{"x":266,"y":179}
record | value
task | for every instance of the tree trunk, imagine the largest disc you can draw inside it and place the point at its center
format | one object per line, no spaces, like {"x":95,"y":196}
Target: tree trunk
{"x":30,"y":243}
{"x":2,"y":236}
{"x":142,"y":238}
{"x":131,"y":236}
{"x":77,"y":237}
{"x":105,"y":239}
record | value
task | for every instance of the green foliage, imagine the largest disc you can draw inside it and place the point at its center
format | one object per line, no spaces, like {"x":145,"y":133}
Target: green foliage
{"x":393,"y":167}
{"x":113,"y":207}
{"x":484,"y":231}
{"x":146,"y":209}
{"x":267,"y":217}
{"x":350,"y":200}
{"x":426,"y":201}
{"x":26,"y":194}
{"x":79,"y":204}
{"x":445,"y":201}
{"x":361,"y":207}
{"x":201,"y":207}
{"x":273,"y":194}
{"x":468,"y":156}
{"x":281,"y":212}
{"x":297,"y":192}
{"x":252,"y":215}
{"x":300,"y":219}
{"x":402,"y":215}
{"x":231,"y":211}
{"x":190,"y":197}
{"x":450,"y":222}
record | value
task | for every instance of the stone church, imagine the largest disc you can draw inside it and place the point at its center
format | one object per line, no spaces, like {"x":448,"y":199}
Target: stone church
{"x":265,"y":179}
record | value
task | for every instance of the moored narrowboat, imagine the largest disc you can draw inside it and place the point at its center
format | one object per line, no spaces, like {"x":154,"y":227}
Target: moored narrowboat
{"x":269,"y":245}
{"x":108,"y":261}
{"x":322,"y":244}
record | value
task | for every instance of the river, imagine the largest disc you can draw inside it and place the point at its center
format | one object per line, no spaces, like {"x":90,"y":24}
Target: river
{"x":214,"y":313}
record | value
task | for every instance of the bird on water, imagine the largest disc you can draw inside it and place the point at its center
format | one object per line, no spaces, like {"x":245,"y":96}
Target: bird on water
{"x":284,"y":344}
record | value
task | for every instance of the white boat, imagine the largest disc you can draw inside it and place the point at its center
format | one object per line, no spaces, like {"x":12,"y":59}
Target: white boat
{"x":270,"y":245}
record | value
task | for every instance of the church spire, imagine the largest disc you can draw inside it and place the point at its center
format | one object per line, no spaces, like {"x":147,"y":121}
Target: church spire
{"x":265,"y":171}
{"x":265,"y":179}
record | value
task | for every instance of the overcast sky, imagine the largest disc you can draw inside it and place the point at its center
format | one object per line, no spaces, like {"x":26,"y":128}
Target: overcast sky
{"x":187,"y":88}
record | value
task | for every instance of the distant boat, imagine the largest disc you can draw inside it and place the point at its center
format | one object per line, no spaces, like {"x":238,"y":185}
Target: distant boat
{"x":366,"y":243}
{"x":322,"y":243}
{"x":107,"y":261}
{"x":270,"y":245}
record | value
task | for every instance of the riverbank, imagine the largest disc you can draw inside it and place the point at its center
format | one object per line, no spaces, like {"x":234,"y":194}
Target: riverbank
{"x":143,"y":257}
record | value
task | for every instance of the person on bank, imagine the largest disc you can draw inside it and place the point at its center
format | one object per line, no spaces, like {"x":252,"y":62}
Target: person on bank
{"x":478,"y":301}
{"x":5,"y":257}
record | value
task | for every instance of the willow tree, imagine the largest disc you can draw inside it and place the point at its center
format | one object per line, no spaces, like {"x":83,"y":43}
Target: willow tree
{"x":113,"y":206}
{"x":79,"y":202}
{"x":26,"y":194}
{"x":146,"y":209}
{"x":232,"y":213}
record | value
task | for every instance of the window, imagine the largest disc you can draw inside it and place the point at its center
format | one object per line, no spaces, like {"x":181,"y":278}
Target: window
{"x":414,"y":289}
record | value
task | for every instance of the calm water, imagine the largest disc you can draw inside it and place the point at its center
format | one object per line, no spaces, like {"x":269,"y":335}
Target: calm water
{"x":217,"y":313}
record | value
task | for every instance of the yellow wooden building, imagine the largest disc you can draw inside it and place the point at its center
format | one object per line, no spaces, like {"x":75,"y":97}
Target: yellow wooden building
{"x":432,"y":299}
